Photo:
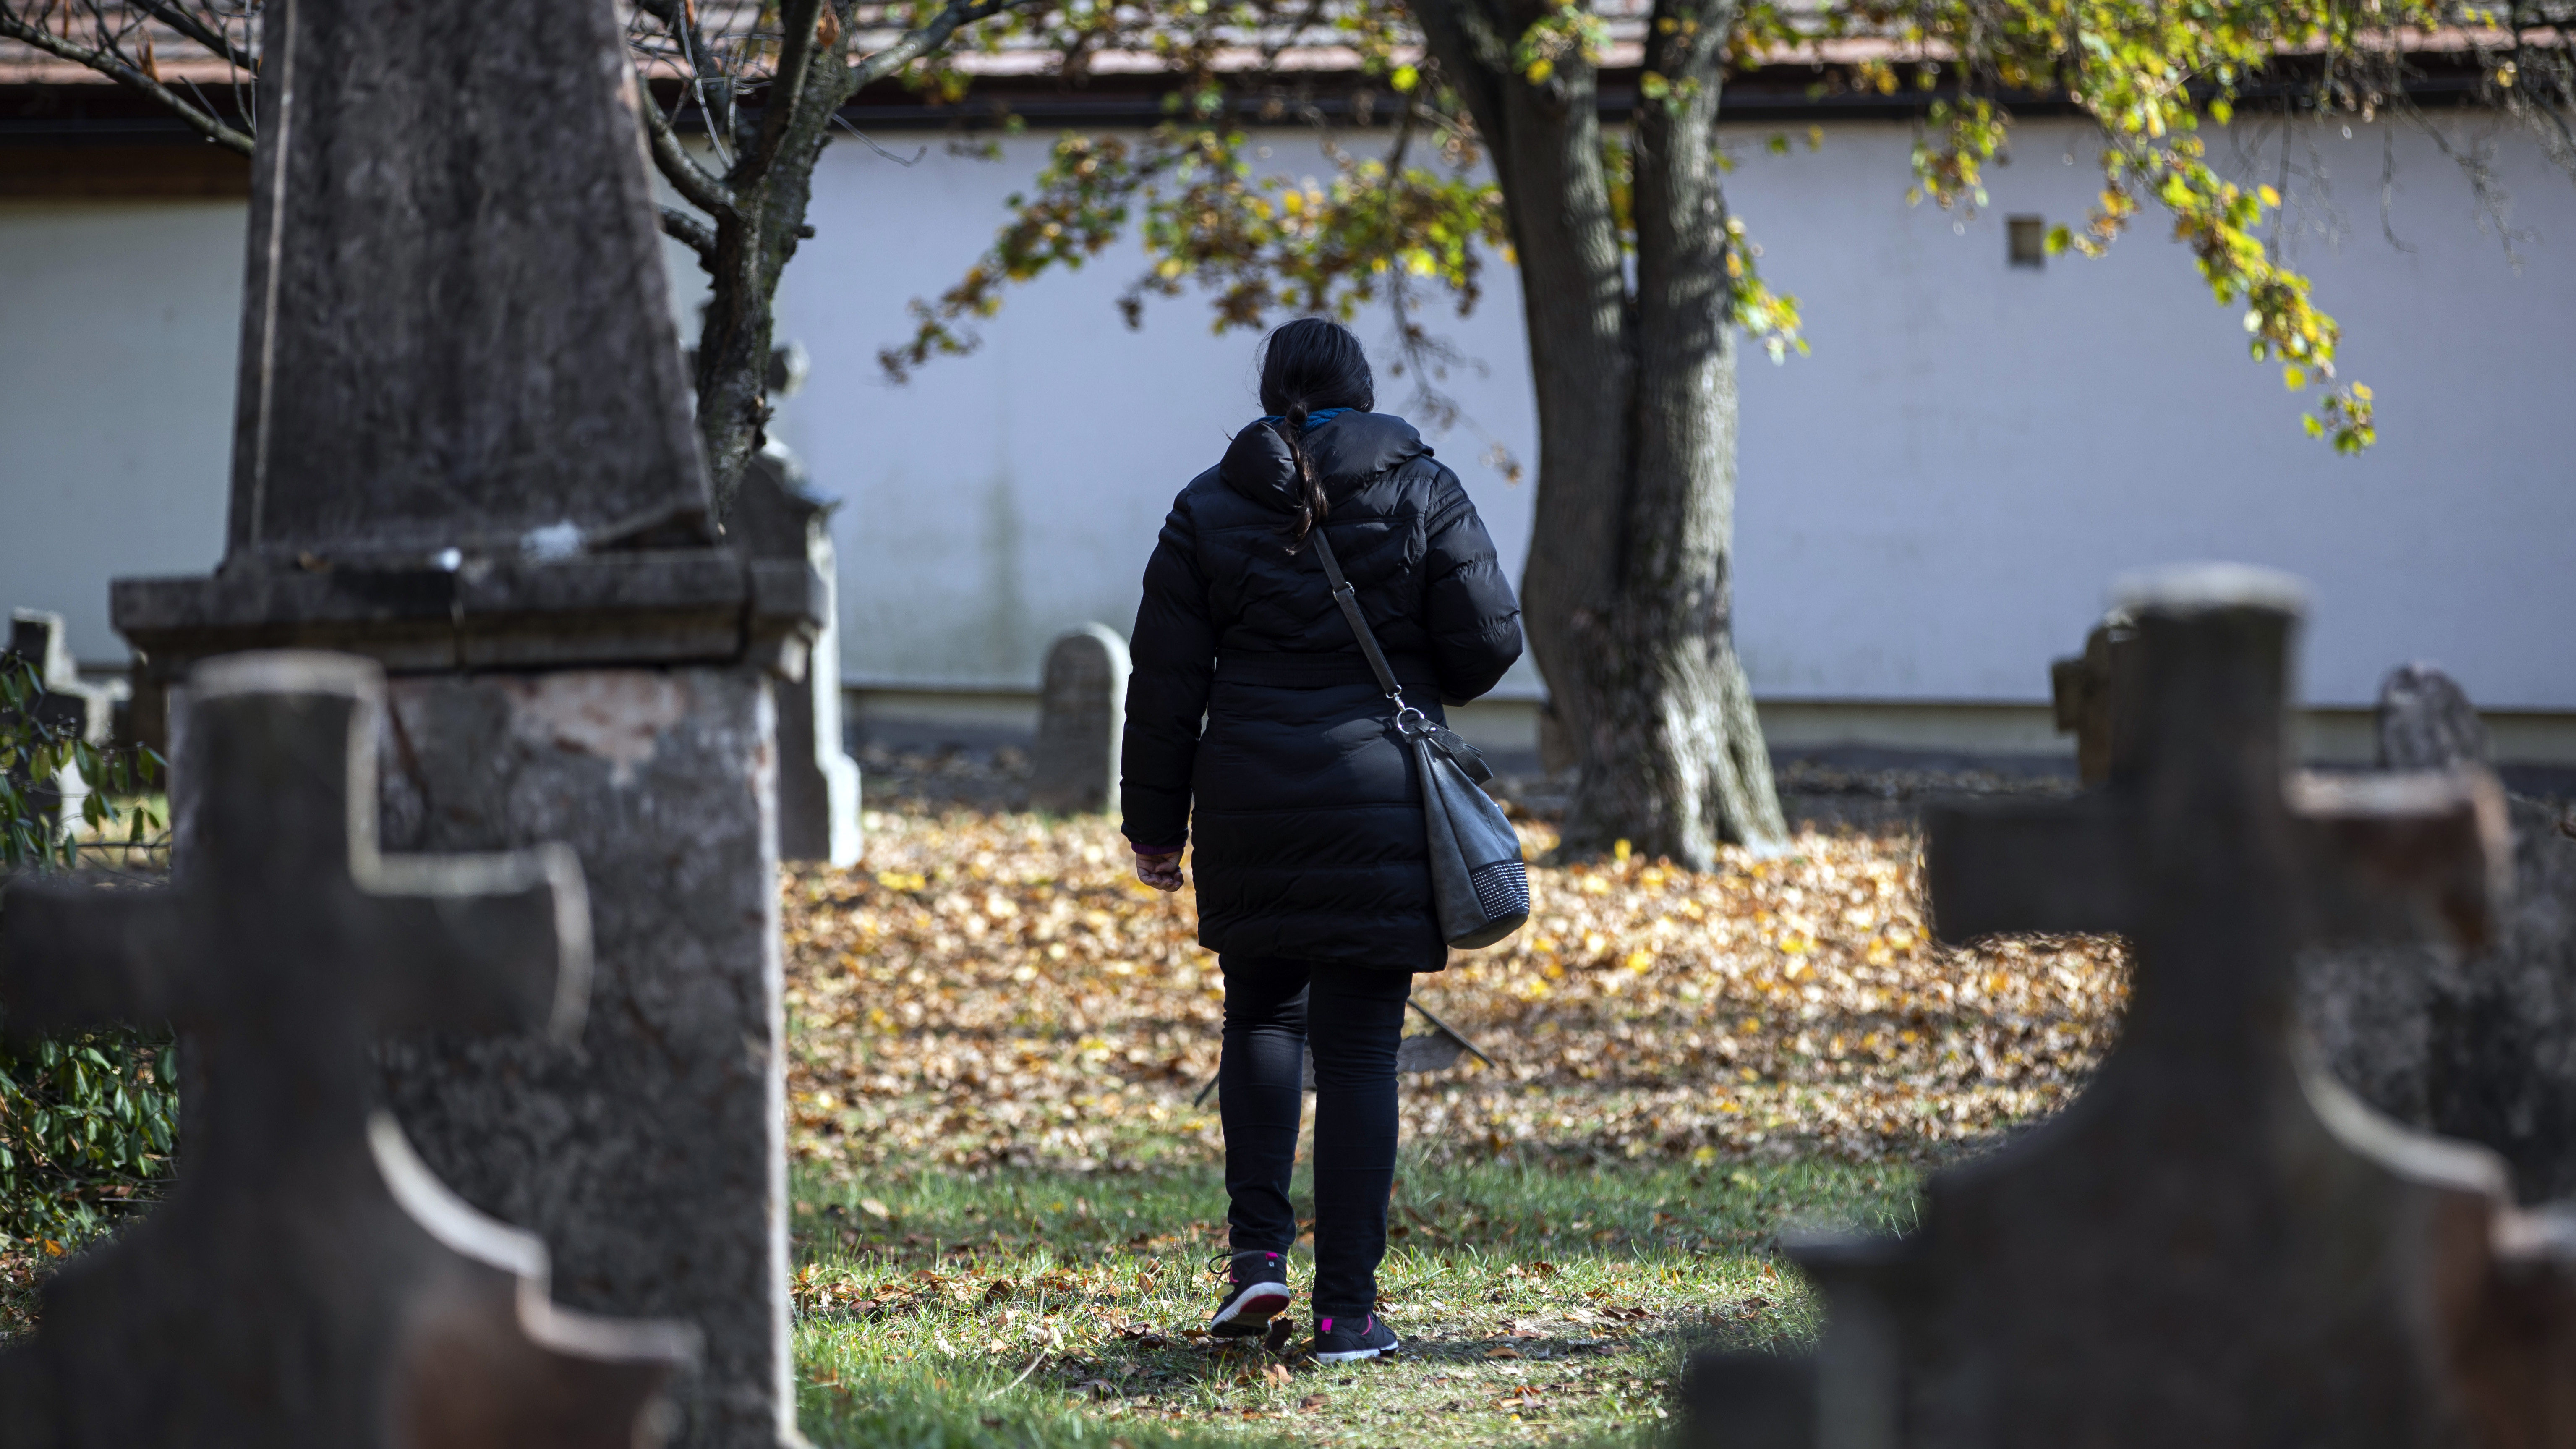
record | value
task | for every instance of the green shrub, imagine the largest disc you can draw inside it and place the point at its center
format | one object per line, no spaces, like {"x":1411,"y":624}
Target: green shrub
{"x":33,"y":753}
{"x":87,"y":1120}
{"x":87,"y":1124}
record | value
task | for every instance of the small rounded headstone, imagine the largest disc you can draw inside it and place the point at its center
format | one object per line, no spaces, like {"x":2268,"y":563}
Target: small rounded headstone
{"x":2427,"y":723}
{"x":1082,"y":711}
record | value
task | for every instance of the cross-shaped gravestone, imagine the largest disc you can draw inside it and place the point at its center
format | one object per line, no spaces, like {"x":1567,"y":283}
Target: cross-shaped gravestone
{"x":63,"y":706}
{"x":2214,"y":1245}
{"x":2086,"y":690}
{"x":308,"y":1282}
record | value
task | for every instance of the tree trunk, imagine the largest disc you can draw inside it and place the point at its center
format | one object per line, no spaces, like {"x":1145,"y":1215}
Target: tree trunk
{"x":1627,"y":596}
{"x":736,"y":335}
{"x":757,"y":219}
{"x":1682,"y":761}
{"x":733,"y":359}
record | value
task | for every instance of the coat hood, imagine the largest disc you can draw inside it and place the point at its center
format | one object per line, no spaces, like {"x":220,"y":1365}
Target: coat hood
{"x":1343,"y":450}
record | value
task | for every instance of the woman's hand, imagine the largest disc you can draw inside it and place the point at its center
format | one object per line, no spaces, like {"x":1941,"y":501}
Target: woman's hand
{"x":1159,"y":869}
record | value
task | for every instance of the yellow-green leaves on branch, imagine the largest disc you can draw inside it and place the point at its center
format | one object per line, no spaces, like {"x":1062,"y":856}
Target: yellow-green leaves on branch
{"x":1257,"y":244}
{"x":1950,"y":157}
{"x":2148,"y":75}
{"x":2217,"y":220}
{"x":1770,"y":317}
{"x":1567,"y":29}
{"x":1081,"y":205}
{"x":1319,"y":246}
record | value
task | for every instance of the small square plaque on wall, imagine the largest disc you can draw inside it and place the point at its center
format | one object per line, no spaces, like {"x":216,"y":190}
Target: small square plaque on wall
{"x":2026,"y":241}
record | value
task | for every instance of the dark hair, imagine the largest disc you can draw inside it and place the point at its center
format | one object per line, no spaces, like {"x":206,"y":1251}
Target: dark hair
{"x":1307,"y":366}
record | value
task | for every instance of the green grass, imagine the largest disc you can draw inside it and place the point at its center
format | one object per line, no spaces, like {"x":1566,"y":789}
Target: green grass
{"x":1539,"y":1301}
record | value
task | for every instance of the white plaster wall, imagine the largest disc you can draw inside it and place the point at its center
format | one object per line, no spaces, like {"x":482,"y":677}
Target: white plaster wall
{"x":1005,"y":496}
{"x":119,"y":326}
{"x":1931,"y":503}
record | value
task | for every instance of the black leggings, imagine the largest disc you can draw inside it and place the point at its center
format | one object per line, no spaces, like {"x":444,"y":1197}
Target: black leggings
{"x":1352,"y":1017}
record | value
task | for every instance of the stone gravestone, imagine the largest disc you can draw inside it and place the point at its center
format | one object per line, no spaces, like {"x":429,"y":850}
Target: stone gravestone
{"x":2427,"y":723}
{"x":464,"y":450}
{"x":1082,"y":712}
{"x":64,"y":704}
{"x":775,"y":516}
{"x":2214,"y":1245}
{"x":308,"y":1281}
{"x":2477,"y":1044}
{"x":2086,"y":690}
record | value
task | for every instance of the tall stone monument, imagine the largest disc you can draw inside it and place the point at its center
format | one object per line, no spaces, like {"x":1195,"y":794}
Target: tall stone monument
{"x":308,"y":1281}
{"x":464,"y":451}
{"x":2215,"y":1244}
{"x":1082,"y":716}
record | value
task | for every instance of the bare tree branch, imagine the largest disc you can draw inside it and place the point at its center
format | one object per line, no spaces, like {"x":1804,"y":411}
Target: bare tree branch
{"x":680,"y":19}
{"x":115,"y":68}
{"x":686,"y":176}
{"x":196,"y":30}
{"x":679,"y":226}
{"x":797,"y":20}
{"x":927,"y":39}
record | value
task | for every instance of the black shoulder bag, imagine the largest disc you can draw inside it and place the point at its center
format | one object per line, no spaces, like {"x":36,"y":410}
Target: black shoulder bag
{"x":1479,"y":888}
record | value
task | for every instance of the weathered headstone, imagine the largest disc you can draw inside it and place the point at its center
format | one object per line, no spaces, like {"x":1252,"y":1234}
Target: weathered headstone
{"x":63,"y":705}
{"x":2214,"y":1245}
{"x":775,"y":516}
{"x":2427,"y":723}
{"x":464,"y":450}
{"x":2475,"y":1044}
{"x":2086,"y":690}
{"x":1082,"y":712}
{"x":308,"y":1281}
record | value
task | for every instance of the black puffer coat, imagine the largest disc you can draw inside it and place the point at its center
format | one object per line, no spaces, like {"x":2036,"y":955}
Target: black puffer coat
{"x":1308,"y":819}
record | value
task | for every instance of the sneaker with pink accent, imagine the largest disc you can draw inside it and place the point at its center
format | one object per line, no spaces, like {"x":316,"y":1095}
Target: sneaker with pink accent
{"x":1342,"y":1341}
{"x":1256,"y":1289}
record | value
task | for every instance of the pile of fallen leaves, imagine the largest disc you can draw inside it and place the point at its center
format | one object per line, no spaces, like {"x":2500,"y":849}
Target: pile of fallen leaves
{"x":993,"y":988}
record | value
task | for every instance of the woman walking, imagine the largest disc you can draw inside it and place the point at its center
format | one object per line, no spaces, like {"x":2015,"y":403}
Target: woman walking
{"x":1255,"y":725}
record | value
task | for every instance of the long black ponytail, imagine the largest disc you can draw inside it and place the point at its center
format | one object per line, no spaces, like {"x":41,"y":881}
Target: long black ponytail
{"x":1307,"y":366}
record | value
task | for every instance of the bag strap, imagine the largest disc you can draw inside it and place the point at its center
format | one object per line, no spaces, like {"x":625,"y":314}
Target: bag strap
{"x":1349,"y":599}
{"x":1466,"y":756}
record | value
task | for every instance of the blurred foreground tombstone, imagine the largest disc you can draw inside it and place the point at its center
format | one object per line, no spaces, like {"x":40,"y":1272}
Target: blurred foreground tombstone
{"x":2476,"y":1044}
{"x":775,"y":516}
{"x":308,"y":1281}
{"x":2215,"y":1245}
{"x":60,"y":703}
{"x":1082,"y":713}
{"x":464,"y":450}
